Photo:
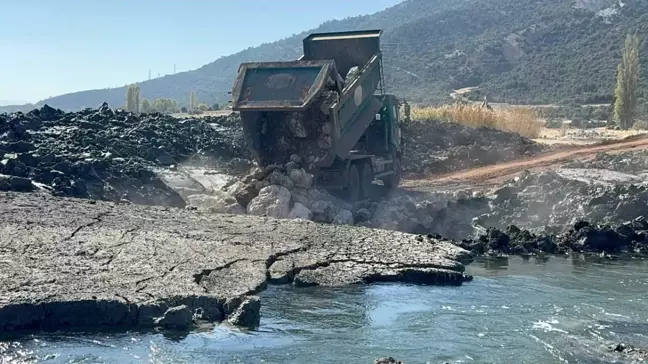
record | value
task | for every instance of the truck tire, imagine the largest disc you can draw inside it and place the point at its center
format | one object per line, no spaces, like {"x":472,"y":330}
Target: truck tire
{"x":353,"y":190}
{"x":393,"y":180}
{"x":366,"y":178}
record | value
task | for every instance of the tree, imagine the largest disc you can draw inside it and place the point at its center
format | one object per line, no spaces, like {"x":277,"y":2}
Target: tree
{"x":192,"y":101}
{"x":625,"y":106}
{"x":146,"y":106}
{"x":129,"y":98}
{"x":203,"y":107}
{"x":132,"y":98}
{"x":216,"y":107}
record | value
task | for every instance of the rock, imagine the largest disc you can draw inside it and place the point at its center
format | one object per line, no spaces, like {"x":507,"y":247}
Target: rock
{"x":110,"y":155}
{"x":296,"y":159}
{"x":279,"y":179}
{"x":343,"y":217}
{"x":236,"y":188}
{"x":362,"y":215}
{"x":300,"y":211}
{"x":387,"y":360}
{"x":179,"y":317}
{"x":272,"y":201}
{"x":324,"y":211}
{"x":247,"y":314}
{"x":206,"y":202}
{"x":245,"y":195}
{"x":14,"y":183}
{"x":301,"y":178}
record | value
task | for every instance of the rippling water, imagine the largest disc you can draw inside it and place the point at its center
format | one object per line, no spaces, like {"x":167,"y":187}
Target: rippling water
{"x":560,"y":310}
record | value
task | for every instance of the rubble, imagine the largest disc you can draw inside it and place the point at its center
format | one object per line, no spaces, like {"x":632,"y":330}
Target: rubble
{"x":292,"y":137}
{"x":433,"y":147}
{"x":109,"y":155}
{"x":552,"y":201}
{"x":583,"y":237}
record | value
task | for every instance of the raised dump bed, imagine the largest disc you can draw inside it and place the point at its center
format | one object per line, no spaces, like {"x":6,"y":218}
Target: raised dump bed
{"x":306,"y":108}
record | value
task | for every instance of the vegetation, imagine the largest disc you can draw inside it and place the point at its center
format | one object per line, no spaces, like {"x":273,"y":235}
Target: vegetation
{"x":132,"y":98}
{"x":625,"y":106}
{"x":192,"y":101}
{"x":146,"y":106}
{"x":524,"y":121}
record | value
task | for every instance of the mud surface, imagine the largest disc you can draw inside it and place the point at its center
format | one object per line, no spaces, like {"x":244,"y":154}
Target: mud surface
{"x":73,"y":262}
{"x":109,"y":155}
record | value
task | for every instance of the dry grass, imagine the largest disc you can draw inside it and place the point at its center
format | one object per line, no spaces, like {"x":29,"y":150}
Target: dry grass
{"x":524,"y":121}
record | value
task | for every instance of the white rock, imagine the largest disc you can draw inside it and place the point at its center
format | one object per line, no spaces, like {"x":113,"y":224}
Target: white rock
{"x":235,"y":188}
{"x":301,"y":178}
{"x":206,"y":201}
{"x":324,"y":211}
{"x":272,"y":201}
{"x":343,"y":217}
{"x":279,"y":179}
{"x":300,"y":211}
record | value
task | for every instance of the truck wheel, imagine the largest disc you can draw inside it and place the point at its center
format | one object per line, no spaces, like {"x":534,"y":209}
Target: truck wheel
{"x":367,"y":177}
{"x":353,"y":189}
{"x":393,"y":180}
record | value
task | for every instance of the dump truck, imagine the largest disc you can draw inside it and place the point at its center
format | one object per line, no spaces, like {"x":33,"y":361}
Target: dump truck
{"x":345,"y":130}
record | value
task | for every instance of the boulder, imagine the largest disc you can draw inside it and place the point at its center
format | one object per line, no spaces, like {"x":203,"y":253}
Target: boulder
{"x":272,"y":201}
{"x":247,"y":314}
{"x":301,"y":178}
{"x":343,"y":217}
{"x":179,"y":317}
{"x":300,"y":211}
{"x":207,"y":201}
{"x":324,"y":211}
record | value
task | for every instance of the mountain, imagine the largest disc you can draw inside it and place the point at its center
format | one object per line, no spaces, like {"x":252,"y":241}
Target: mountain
{"x":11,"y":102}
{"x":517,"y":51}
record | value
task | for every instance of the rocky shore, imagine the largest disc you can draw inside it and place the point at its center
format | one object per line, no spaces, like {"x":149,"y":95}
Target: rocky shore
{"x":72,"y":262}
{"x":630,"y":238}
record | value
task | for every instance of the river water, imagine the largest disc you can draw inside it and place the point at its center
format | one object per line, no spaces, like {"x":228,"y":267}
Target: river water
{"x":556,"y":310}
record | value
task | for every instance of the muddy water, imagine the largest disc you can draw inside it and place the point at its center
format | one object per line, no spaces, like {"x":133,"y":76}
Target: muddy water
{"x":516,"y":311}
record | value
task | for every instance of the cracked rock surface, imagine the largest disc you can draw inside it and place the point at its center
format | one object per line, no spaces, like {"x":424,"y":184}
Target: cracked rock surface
{"x":71,"y":262}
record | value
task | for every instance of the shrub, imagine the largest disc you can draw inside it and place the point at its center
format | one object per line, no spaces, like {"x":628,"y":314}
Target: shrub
{"x":521,"y":120}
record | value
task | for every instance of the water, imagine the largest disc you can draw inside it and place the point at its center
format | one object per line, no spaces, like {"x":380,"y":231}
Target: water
{"x":560,"y":310}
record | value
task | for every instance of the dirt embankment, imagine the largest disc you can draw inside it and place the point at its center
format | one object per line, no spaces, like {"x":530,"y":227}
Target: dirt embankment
{"x":109,"y":155}
{"x":74,"y":262}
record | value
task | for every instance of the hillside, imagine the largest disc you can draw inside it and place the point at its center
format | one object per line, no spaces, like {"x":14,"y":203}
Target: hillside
{"x":516,"y":51}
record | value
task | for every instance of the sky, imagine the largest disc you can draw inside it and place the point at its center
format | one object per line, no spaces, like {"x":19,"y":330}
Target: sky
{"x":52,"y":47}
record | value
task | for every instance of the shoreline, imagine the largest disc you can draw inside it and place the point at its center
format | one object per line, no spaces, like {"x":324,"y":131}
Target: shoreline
{"x":72,"y":263}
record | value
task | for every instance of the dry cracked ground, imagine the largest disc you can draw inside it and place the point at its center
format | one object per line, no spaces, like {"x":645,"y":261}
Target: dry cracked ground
{"x":73,"y":262}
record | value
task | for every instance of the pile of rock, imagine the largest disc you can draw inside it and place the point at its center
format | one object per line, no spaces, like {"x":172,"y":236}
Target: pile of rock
{"x":630,"y":237}
{"x":559,"y":199}
{"x":106,"y":154}
{"x":432,"y":147}
{"x":283,"y":191}
{"x":632,"y":162}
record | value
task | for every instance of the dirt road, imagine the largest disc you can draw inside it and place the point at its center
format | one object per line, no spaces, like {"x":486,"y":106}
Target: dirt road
{"x":497,"y":173}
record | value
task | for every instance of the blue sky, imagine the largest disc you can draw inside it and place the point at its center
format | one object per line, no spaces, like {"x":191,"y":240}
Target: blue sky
{"x":51,"y":47}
